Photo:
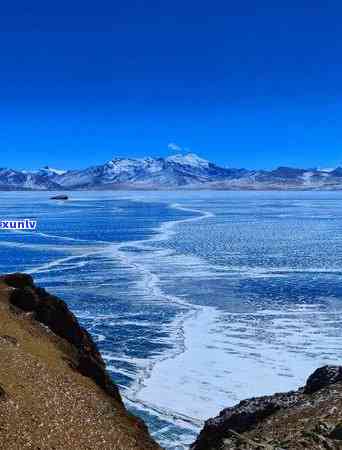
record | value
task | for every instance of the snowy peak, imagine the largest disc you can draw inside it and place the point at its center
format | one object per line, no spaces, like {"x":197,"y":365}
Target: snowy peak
{"x":171,"y":171}
{"x":127,"y":164}
{"x":51,"y":172}
{"x":190,"y":159}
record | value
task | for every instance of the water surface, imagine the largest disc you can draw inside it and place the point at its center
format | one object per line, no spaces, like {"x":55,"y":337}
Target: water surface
{"x":196,"y":299}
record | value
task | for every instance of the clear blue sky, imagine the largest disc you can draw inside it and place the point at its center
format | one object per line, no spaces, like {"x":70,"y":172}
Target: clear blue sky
{"x":243,"y":83}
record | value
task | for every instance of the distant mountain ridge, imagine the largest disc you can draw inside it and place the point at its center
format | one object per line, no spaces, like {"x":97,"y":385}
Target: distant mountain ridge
{"x":179,"y":171}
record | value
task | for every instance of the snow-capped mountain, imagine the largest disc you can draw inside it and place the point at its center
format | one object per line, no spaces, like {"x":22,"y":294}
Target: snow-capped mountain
{"x":14,"y":179}
{"x":173,"y":172}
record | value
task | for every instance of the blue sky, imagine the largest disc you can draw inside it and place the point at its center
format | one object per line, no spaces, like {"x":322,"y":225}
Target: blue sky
{"x":246,"y":84}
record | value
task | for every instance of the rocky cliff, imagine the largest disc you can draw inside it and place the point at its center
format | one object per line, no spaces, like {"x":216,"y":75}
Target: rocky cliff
{"x":309,"y":418}
{"x":55,"y":392}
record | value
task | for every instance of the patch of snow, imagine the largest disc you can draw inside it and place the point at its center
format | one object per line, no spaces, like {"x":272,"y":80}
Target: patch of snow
{"x":52,"y":171}
{"x":328,"y":170}
{"x":190,"y":159}
{"x":307,"y":177}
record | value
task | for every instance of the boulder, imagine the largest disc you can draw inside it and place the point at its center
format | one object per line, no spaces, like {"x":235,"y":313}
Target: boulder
{"x":322,"y":377}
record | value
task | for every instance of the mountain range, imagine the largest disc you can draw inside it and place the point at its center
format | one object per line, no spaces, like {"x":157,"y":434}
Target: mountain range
{"x":181,"y":171}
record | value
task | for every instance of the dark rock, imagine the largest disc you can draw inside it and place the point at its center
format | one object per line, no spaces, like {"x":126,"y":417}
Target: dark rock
{"x":60,"y":197}
{"x":322,"y":377}
{"x":55,"y":314}
{"x":24,"y":298}
{"x":249,"y":413}
{"x":241,"y":418}
{"x":18,"y":280}
{"x":2,"y":393}
{"x":336,"y":432}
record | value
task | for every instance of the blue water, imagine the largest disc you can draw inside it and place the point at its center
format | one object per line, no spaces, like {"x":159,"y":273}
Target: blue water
{"x":196,"y":299}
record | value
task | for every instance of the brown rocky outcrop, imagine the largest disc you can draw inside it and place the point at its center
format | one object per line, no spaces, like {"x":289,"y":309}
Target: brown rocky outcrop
{"x":309,"y":418}
{"x":55,"y":392}
{"x":54,"y":313}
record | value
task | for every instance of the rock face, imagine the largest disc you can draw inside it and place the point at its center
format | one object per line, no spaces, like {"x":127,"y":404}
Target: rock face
{"x":309,"y":418}
{"x":54,"y":313}
{"x":324,"y":376}
{"x":55,"y":392}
